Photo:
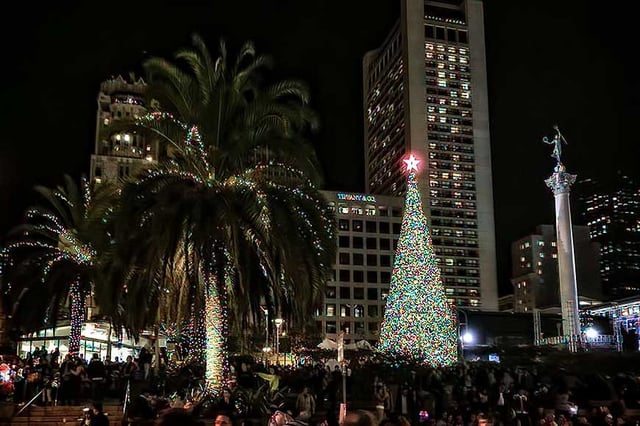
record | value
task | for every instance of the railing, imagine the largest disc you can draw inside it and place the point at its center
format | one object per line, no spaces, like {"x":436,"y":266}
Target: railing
{"x":127,"y":396}
{"x":25,"y":406}
{"x":595,"y":342}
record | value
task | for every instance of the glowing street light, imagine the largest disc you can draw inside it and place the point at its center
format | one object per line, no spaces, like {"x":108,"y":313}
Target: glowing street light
{"x":467,"y":337}
{"x":591,"y":333}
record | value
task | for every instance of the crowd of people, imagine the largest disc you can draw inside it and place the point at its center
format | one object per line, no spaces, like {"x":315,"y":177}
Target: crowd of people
{"x":72,"y":380}
{"x":467,"y":394}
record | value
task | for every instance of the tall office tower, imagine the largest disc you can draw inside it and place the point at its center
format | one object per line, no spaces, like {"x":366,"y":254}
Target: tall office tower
{"x":119,"y":152}
{"x":534,"y":261}
{"x":368,"y":231}
{"x":612,"y":212}
{"x":425,"y":91}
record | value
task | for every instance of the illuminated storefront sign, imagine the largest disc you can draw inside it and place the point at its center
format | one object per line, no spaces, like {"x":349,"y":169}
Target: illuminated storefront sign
{"x":356,"y":197}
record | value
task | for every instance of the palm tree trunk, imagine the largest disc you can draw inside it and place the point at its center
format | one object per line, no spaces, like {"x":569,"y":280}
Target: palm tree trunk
{"x":216,"y":326}
{"x":216,"y":312}
{"x":196,"y":335}
{"x":76,"y":317}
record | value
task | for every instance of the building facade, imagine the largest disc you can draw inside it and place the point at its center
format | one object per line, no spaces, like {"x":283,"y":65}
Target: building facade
{"x":425,"y":91}
{"x":612,"y":213}
{"x":118,"y":152}
{"x":368,"y":232}
{"x":535,"y":269}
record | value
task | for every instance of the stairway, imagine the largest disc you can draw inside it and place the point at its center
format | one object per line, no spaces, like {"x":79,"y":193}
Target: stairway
{"x":65,"y":415}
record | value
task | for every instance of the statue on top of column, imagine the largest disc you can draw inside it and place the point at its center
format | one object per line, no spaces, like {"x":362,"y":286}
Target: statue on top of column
{"x":557,"y":141}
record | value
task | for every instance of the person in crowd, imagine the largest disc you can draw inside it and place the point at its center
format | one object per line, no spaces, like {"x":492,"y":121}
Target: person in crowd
{"x":177,"y":417}
{"x":223,"y":419}
{"x":96,"y":372}
{"x":359,"y":418}
{"x":306,"y":402}
{"x":144,"y":358}
{"x":98,"y":418}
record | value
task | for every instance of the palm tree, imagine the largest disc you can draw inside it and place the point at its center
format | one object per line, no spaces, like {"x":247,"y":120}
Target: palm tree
{"x":241,"y":227}
{"x":52,"y":258}
{"x":236,"y":116}
{"x":218,"y":228}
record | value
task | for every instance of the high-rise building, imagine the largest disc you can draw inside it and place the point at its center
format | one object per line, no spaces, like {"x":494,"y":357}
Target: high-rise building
{"x":425,"y":91}
{"x":612,"y":213}
{"x":368,"y":231}
{"x":119,"y":149}
{"x":535,"y":268}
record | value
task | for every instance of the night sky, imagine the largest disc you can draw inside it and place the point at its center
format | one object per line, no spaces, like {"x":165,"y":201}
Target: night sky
{"x":568,"y":62}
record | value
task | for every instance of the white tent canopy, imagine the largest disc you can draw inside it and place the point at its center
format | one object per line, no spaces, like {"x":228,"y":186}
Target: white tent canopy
{"x":363,"y":344}
{"x":328,"y":344}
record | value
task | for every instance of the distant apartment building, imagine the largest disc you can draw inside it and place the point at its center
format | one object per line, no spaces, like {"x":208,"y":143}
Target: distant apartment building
{"x":612,"y":213}
{"x":425,"y":92}
{"x":120,"y":149}
{"x":535,"y":269}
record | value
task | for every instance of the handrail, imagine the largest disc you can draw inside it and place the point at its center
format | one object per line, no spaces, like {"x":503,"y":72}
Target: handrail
{"x":127,"y":396}
{"x":30,"y":402}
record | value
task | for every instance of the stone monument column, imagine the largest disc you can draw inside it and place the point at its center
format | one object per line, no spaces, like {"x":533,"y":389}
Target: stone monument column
{"x":560,"y":183}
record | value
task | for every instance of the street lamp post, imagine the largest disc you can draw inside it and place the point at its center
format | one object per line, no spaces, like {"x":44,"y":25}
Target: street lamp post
{"x":266,"y":327}
{"x":279,"y":322}
{"x":461,"y":337}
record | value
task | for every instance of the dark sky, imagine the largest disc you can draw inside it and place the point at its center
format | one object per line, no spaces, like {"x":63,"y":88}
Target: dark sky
{"x":568,"y":62}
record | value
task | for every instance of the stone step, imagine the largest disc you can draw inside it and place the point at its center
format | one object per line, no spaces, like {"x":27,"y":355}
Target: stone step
{"x":45,"y":419}
{"x":25,"y":421}
{"x":68,"y":409}
{"x":62,"y":415}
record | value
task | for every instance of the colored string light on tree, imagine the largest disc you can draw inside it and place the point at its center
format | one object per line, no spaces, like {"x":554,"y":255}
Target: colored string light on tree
{"x":418,"y":324}
{"x":76,"y":317}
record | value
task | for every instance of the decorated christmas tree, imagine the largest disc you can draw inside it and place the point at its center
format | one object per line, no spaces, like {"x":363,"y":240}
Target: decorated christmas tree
{"x":419,"y":325}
